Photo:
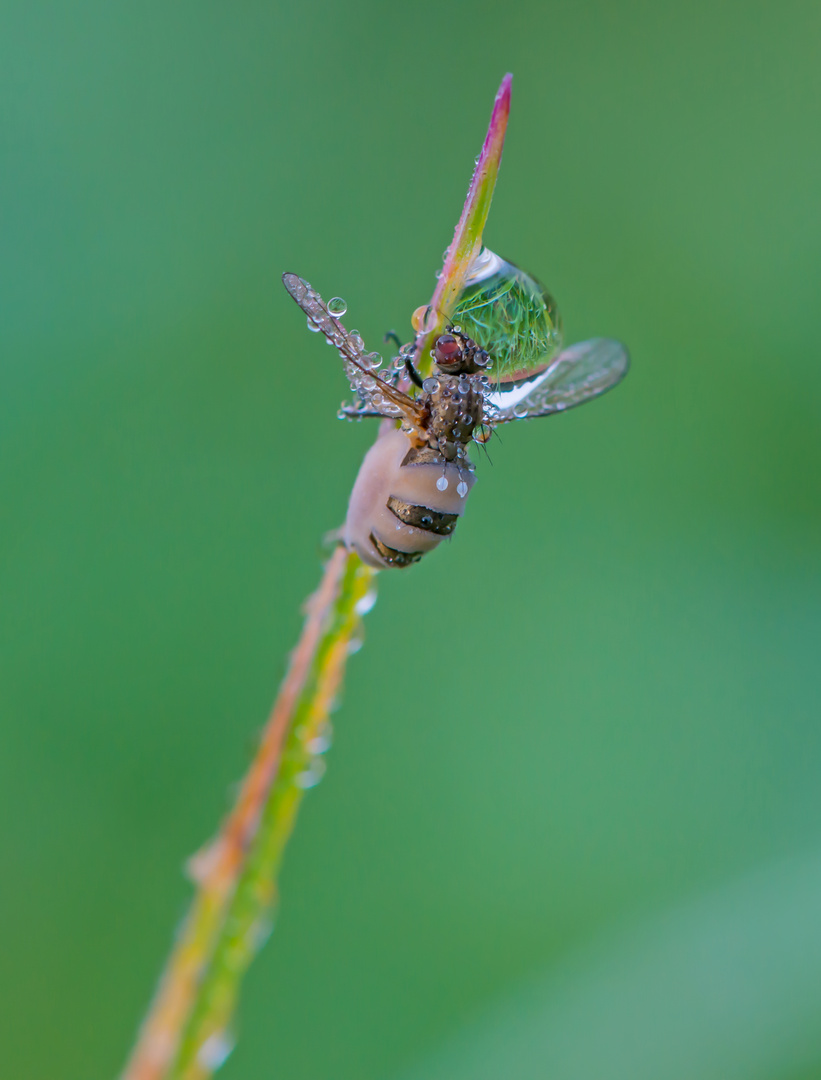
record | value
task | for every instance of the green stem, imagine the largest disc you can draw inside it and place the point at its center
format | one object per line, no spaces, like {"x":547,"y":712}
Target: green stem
{"x":185,"y":1034}
{"x":248,"y":914}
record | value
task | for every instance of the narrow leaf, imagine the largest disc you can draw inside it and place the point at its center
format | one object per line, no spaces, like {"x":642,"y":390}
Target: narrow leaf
{"x":467,"y":239}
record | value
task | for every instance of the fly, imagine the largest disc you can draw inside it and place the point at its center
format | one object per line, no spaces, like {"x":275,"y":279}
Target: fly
{"x":500,"y":360}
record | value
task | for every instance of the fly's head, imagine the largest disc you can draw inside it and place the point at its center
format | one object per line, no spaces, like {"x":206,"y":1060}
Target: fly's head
{"x":456,"y":354}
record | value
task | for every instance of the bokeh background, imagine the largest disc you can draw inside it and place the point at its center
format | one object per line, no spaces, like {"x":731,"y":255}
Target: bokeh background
{"x":571,"y":825}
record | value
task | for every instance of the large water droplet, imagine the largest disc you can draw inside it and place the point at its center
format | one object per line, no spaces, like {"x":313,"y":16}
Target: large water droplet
{"x":312,"y":326}
{"x":442,"y":483}
{"x":462,"y":489}
{"x":337,"y":306}
{"x":430,"y":386}
{"x":511,"y":315}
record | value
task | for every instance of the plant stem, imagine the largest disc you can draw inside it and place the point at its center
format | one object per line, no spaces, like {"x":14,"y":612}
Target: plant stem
{"x":185,"y":1034}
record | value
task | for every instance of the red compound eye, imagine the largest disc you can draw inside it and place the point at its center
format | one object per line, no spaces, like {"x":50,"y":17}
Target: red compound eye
{"x":448,"y":350}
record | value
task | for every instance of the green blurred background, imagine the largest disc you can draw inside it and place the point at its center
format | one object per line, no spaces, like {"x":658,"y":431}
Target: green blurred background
{"x":571,"y":825}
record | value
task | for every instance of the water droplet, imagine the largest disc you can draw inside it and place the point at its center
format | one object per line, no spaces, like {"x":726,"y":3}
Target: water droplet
{"x":520,"y":410}
{"x":365,"y":603}
{"x":510,"y":312}
{"x":430,"y":386}
{"x":355,"y":341}
{"x":426,"y":519}
{"x":312,"y":326}
{"x":337,"y":306}
{"x":462,"y":489}
{"x":442,"y":483}
{"x":423,"y":319}
{"x":320,"y":744}
{"x":260,"y":932}
{"x":457,"y":329}
{"x":311,"y":777}
{"x":215,"y":1050}
{"x":464,"y":386}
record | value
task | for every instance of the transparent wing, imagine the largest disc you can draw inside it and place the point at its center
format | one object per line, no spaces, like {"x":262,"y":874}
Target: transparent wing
{"x":376,"y":390}
{"x":576,"y":375}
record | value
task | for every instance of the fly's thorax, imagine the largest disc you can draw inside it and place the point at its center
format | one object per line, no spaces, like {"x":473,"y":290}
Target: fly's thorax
{"x":456,"y":407}
{"x":405,"y":500}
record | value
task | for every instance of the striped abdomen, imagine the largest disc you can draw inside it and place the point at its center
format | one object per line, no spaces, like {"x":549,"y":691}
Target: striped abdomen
{"x":397,"y":512}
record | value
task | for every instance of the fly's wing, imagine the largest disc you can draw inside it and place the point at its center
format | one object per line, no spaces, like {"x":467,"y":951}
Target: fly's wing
{"x":576,"y":375}
{"x":376,"y":391}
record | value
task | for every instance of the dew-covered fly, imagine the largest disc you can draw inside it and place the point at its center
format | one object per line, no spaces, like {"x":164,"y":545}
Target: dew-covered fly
{"x":500,"y":360}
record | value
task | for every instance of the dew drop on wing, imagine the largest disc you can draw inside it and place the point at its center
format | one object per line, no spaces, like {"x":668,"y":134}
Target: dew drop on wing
{"x":430,"y":386}
{"x":442,"y":483}
{"x":462,"y":489}
{"x":337,"y":306}
{"x":312,"y":326}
